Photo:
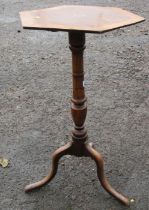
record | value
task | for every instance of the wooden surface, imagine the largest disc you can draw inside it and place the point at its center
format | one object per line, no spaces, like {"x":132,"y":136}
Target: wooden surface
{"x":79,"y":147}
{"x":91,"y":19}
{"x":79,"y":100}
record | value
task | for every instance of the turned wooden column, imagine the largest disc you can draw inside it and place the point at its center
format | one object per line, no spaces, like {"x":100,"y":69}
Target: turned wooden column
{"x":79,"y":101}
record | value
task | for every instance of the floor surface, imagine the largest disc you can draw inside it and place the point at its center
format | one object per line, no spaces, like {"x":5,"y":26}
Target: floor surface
{"x":35,"y":93}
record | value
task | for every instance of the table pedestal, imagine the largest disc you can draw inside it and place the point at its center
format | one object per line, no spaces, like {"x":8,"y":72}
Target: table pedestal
{"x":78,"y":146}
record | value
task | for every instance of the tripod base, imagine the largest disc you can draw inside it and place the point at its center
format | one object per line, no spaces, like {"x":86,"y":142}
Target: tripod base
{"x":79,"y":149}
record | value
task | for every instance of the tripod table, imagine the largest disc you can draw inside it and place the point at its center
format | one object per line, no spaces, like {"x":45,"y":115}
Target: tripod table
{"x":78,"y":20}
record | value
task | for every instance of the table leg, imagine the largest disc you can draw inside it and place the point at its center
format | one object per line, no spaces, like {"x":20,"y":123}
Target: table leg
{"x":103,"y":180}
{"x":55,"y":160}
{"x":78,"y":146}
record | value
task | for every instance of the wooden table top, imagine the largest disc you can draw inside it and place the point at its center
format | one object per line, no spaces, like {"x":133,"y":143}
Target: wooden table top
{"x":91,"y":19}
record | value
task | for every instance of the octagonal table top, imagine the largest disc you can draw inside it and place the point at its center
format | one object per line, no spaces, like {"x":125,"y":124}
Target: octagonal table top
{"x":91,"y":19}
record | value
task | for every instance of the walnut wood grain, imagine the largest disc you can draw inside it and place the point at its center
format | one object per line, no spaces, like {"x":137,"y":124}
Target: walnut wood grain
{"x":91,"y":19}
{"x":79,"y":106}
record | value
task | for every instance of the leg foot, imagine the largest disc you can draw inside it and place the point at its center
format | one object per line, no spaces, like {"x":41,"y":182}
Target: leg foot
{"x":55,"y":159}
{"x":100,"y":172}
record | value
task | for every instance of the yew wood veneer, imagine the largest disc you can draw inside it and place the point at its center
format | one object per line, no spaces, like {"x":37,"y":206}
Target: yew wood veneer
{"x":78,"y":20}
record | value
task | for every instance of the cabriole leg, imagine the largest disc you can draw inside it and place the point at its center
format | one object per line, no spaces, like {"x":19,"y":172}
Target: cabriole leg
{"x":55,"y":159}
{"x":100,"y":172}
